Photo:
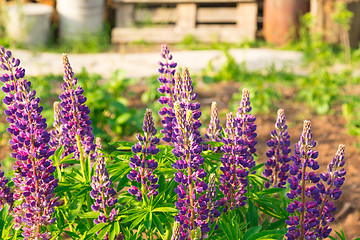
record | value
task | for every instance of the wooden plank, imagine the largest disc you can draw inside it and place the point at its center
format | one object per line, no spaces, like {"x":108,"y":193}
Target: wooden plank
{"x":125,"y":15}
{"x":246,"y":17}
{"x":156,"y":15}
{"x":216,"y":15}
{"x":182,"y":1}
{"x":174,"y":35}
{"x":186,"y":15}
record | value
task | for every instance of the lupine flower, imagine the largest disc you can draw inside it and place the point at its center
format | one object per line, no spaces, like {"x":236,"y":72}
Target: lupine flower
{"x":56,"y":133}
{"x":247,"y":129}
{"x":176,"y":231}
{"x":192,"y":200}
{"x":277,"y":165}
{"x":34,"y":182}
{"x":238,"y":154}
{"x":102,"y":191}
{"x":233,"y":181}
{"x":214,"y":129}
{"x":304,"y":158}
{"x":211,"y":194}
{"x":166,"y":70}
{"x":142,"y":163}
{"x":333,"y":180}
{"x":76,"y":127}
{"x":5,"y":195}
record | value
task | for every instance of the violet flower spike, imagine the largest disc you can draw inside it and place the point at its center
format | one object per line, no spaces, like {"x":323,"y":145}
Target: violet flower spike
{"x":213,"y":205}
{"x":6,"y":196}
{"x":333,"y":180}
{"x":214,"y":130}
{"x":76,"y":127}
{"x":277,"y":165}
{"x":34,"y":182}
{"x":56,"y":133}
{"x":167,"y":71}
{"x":247,"y":128}
{"x":233,"y":181}
{"x":142,"y":163}
{"x":186,"y":138}
{"x":102,"y":192}
{"x":305,"y":199}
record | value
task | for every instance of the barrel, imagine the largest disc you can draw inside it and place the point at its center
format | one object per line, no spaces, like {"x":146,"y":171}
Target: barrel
{"x":29,"y":24}
{"x":79,"y":18}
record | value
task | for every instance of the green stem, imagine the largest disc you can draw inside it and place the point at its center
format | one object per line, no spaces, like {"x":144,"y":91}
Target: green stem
{"x":82,"y":163}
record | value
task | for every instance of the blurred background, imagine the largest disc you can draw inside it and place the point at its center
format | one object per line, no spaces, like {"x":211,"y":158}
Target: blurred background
{"x":300,"y":55}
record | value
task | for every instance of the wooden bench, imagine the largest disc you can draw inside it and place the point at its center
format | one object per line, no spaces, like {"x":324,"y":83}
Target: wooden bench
{"x":171,"y":21}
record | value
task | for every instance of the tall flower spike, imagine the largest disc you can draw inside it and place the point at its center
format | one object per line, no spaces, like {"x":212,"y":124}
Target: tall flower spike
{"x":247,"y":128}
{"x":5,"y":195}
{"x":233,"y":181}
{"x":305,"y":199}
{"x":76,"y":127}
{"x":211,"y":194}
{"x":192,"y":201}
{"x":329,"y":189}
{"x":277,"y":165}
{"x":34,"y":182}
{"x":142,"y":163}
{"x":214,"y":129}
{"x":102,"y":192}
{"x":56,"y":133}
{"x":166,"y":78}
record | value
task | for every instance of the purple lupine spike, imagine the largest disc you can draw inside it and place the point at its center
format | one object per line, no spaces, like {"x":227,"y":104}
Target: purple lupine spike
{"x":277,"y":165}
{"x":333,"y":180}
{"x":304,"y":157}
{"x":192,"y":200}
{"x":102,"y":191}
{"x":34,"y":182}
{"x":76,"y":127}
{"x":211,"y":194}
{"x":142,"y":163}
{"x":233,"y":181}
{"x":214,"y":130}
{"x":247,"y":127}
{"x":56,"y":133}
{"x":166,"y":70}
{"x":6,"y":196}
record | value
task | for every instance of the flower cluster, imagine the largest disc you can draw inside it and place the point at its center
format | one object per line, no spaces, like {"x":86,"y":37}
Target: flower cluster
{"x":5,"y":195}
{"x":238,"y":149}
{"x":56,"y":133}
{"x":304,"y":157}
{"x":214,"y":131}
{"x":34,"y":182}
{"x":277,"y":165}
{"x":166,"y":78}
{"x":76,"y":131}
{"x":102,"y":190}
{"x":142,"y":164}
{"x":192,"y":200}
{"x":211,"y":194}
{"x":329,"y":189}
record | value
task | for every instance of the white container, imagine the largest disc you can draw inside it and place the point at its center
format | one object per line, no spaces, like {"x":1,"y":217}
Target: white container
{"x":80,"y":18}
{"x":29,"y":24}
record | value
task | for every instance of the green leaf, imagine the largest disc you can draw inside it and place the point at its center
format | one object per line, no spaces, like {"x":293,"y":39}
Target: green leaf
{"x":251,"y":231}
{"x":148,"y":221}
{"x":90,"y":215}
{"x":269,"y":234}
{"x":252,"y":215}
{"x":103,"y":232}
{"x":166,"y":209}
{"x":71,"y":234}
{"x":158,"y":224}
{"x":96,"y":228}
